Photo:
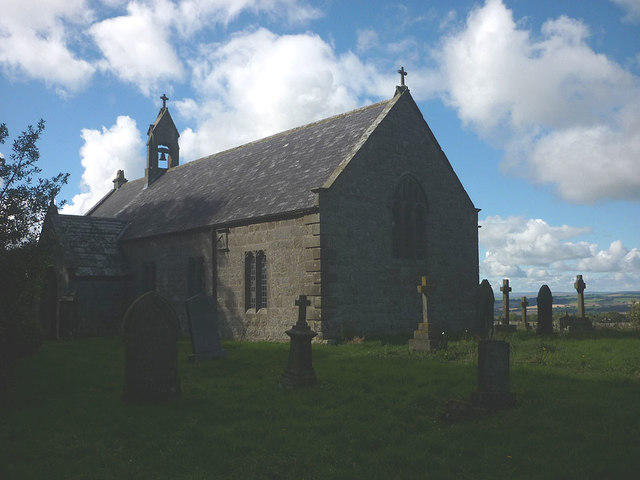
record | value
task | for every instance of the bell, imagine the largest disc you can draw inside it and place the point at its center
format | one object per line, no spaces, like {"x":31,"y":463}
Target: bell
{"x":163,"y":157}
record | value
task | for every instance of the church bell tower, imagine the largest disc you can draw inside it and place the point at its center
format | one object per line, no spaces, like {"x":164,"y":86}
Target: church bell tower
{"x":163,"y":151}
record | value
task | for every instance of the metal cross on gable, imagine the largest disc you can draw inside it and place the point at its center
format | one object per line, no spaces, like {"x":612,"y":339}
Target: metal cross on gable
{"x":164,"y":99}
{"x":402,"y":75}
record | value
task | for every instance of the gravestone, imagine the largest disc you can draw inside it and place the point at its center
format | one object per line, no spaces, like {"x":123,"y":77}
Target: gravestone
{"x":523,"y":305}
{"x":150,"y":331}
{"x":580,"y":287}
{"x":428,"y":337}
{"x":203,"y":328}
{"x":545,"y":311}
{"x":505,"y":327}
{"x":493,"y":376}
{"x":484,"y":309}
{"x":299,"y":371}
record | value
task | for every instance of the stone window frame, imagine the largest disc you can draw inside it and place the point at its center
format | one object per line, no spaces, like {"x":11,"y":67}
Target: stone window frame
{"x":255,"y":281}
{"x":409,"y":210}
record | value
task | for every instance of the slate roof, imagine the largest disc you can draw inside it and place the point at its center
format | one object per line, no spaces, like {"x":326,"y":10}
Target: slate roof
{"x":267,"y":177}
{"x":90,"y":244}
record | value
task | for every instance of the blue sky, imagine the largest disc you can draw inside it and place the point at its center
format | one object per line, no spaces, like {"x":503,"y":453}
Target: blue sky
{"x":535,"y":103}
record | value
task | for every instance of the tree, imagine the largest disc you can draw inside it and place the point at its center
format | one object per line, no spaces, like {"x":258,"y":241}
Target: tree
{"x":24,"y":197}
{"x":634,"y":313}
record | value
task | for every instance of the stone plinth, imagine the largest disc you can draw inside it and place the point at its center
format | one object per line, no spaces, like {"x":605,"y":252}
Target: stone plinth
{"x":426,"y":339}
{"x":493,"y":376}
{"x":299,"y":371}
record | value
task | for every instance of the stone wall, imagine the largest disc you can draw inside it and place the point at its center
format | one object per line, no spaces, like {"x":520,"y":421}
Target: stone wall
{"x":364,"y":288}
{"x":285,"y":244}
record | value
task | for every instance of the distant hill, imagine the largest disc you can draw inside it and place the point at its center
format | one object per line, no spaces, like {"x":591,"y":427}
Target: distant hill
{"x":595,"y":302}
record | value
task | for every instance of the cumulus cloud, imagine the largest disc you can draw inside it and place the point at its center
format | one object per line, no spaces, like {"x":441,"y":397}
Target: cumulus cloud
{"x":277,"y":81}
{"x":105,"y":151}
{"x":533,"y":251}
{"x":631,"y":8}
{"x":36,"y":42}
{"x":136,"y":46}
{"x":552,"y":97}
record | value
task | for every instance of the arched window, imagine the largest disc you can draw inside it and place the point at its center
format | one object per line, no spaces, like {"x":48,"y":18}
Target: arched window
{"x":261,"y":278}
{"x":409,"y":220}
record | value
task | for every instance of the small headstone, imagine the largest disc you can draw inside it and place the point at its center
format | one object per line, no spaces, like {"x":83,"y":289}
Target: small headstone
{"x":484,"y":309}
{"x":150,"y":330}
{"x":203,"y":328}
{"x":428,"y":336}
{"x":299,"y":371}
{"x":523,"y":305}
{"x":493,"y":375}
{"x":545,"y":311}
{"x":580,"y":287}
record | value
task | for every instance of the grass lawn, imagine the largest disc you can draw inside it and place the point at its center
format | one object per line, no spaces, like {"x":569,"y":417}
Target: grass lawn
{"x":374,"y":414}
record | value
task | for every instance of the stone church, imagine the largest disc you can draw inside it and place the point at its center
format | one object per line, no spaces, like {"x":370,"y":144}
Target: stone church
{"x":351,"y":210}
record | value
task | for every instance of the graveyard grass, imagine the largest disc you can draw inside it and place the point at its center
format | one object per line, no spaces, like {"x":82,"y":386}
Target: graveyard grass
{"x":375,"y":413}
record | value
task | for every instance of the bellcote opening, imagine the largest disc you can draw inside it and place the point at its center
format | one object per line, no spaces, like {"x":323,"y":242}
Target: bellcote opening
{"x":163,"y":151}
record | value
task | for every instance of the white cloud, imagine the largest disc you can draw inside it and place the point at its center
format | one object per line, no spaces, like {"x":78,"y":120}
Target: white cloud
{"x":136,"y":46}
{"x":35,"y":42}
{"x":193,"y":15}
{"x":631,"y":8}
{"x":534,"y":252}
{"x":553,"y":100}
{"x":277,"y":82}
{"x":104,"y":152}
{"x":367,"y":39}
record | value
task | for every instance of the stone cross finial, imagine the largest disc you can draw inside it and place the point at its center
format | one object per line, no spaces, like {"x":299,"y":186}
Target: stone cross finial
{"x":164,"y":99}
{"x":402,"y":75}
{"x":580,"y":287}
{"x":302,"y":303}
{"x":505,"y":289}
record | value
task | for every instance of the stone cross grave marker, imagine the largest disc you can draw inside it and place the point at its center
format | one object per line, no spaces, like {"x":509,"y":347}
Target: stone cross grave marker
{"x":523,"y":305}
{"x":580,"y":287}
{"x":545,"y":311}
{"x":203,"y":328}
{"x":484,"y":309}
{"x":505,"y":289}
{"x":428,"y":337}
{"x":150,"y":332}
{"x":299,"y":371}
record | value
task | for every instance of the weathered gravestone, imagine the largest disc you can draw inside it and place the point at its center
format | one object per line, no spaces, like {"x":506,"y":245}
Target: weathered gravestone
{"x":428,"y":337}
{"x":150,"y":332}
{"x":505,"y":327}
{"x":580,"y":286}
{"x":299,"y":371}
{"x":484,"y":309}
{"x":545,"y":311}
{"x":493,"y":375}
{"x":203,"y":328}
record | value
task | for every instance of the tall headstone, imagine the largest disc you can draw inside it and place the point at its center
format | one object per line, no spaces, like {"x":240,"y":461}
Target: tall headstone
{"x":484,"y":309}
{"x":493,"y":375}
{"x":428,"y":336}
{"x":545,"y":311}
{"x":580,"y":287}
{"x":150,"y":331}
{"x":505,"y":289}
{"x":203,"y":328}
{"x":299,"y":371}
{"x":523,"y":305}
